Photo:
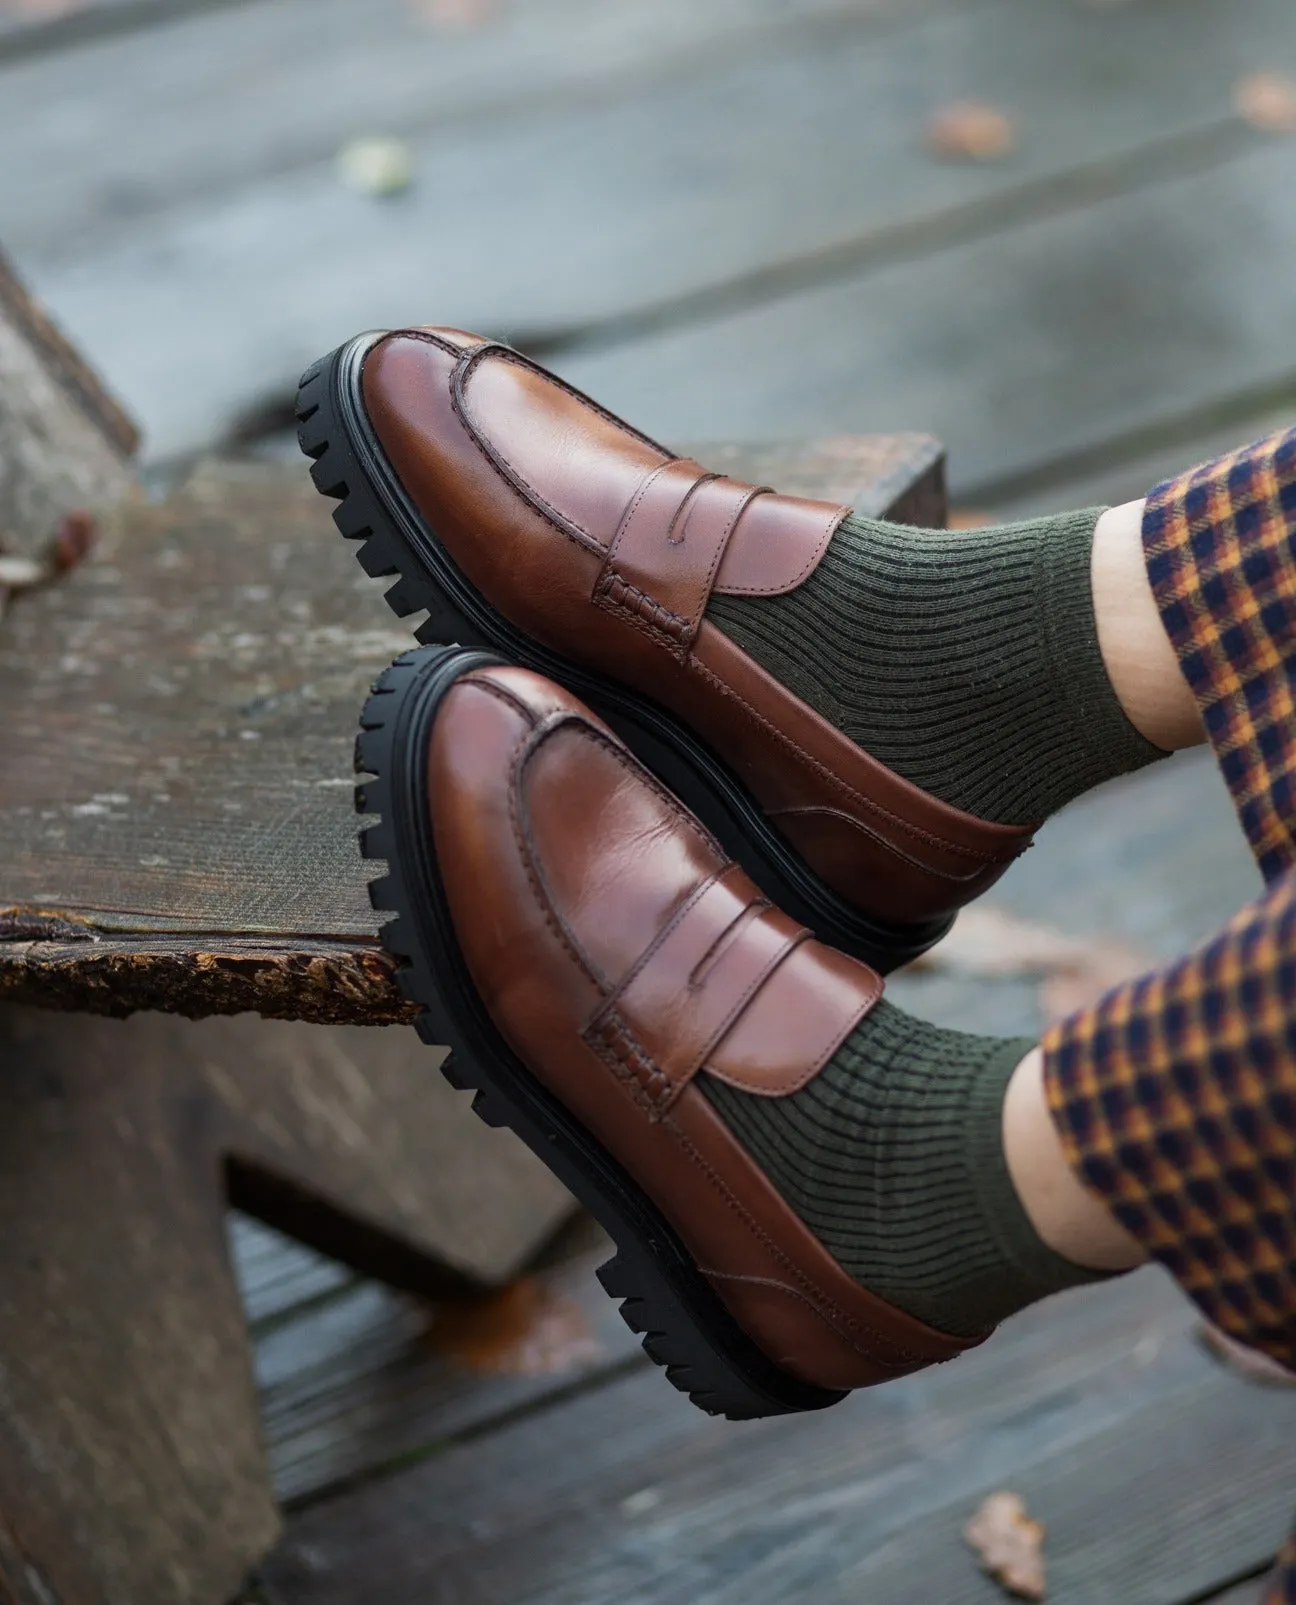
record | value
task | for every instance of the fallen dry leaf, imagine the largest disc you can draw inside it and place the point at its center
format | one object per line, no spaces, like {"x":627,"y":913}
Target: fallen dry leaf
{"x":968,"y":518}
{"x":1249,"y":1364}
{"x":73,"y":539}
{"x":1267,"y":100}
{"x":376,"y":165}
{"x":1010,"y":1544}
{"x":527,"y":1329}
{"x":453,"y":13}
{"x":971,"y":132}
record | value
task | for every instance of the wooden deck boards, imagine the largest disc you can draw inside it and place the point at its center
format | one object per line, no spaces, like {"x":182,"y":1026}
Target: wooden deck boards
{"x":696,"y":182}
{"x":419,"y":1482}
{"x":1093,"y":1408}
{"x":721,"y":218}
{"x":178,"y":797}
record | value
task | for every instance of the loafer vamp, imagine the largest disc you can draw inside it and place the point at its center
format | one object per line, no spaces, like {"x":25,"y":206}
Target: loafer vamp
{"x":621,"y":955}
{"x":595,"y":541}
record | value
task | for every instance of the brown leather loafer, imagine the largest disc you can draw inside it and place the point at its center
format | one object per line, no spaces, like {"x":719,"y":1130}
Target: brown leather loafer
{"x":587,"y":950}
{"x":528,"y":521}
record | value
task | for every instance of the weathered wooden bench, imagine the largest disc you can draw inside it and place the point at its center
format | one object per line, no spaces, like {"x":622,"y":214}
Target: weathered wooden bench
{"x":177,"y":845}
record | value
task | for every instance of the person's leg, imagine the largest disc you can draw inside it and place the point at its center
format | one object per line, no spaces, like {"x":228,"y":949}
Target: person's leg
{"x":1174,"y":1103}
{"x":699,"y":1035}
{"x":899,"y":1136}
{"x":1174,"y":1100}
{"x":1220,"y":553}
{"x":979,"y":663}
{"x":1137,"y":653}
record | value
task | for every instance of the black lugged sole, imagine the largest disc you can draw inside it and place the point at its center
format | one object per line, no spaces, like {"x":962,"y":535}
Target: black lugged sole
{"x":686,"y":1329}
{"x":348,"y":465}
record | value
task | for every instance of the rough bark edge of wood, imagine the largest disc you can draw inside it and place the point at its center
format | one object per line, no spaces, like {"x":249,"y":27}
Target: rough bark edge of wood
{"x":322,"y":982}
{"x":70,"y":371}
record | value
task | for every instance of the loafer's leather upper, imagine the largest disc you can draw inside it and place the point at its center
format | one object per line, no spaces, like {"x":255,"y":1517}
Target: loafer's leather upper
{"x":595,"y":541}
{"x":620,"y":955}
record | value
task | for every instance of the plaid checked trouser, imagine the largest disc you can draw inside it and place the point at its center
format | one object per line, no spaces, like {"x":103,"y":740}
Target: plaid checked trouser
{"x":1175,"y":1096}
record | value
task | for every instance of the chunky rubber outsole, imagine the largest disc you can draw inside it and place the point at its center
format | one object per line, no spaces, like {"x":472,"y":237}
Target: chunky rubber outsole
{"x":349,"y":465}
{"x":685,"y":1326}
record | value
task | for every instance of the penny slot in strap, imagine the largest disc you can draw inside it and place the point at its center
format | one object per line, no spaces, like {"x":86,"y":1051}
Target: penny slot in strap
{"x":729,"y":938}
{"x":663,"y":561}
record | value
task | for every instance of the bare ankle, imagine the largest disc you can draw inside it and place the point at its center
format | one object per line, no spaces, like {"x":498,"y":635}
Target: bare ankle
{"x":1067,"y":1217}
{"x":1140,"y":660}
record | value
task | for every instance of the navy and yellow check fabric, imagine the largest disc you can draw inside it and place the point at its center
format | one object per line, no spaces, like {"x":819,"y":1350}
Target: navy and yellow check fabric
{"x":1175,"y":1096}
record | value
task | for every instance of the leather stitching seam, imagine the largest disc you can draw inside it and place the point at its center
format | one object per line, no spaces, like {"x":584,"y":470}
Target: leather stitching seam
{"x":814,"y":1292}
{"x":796,"y":1079}
{"x":629,"y":599}
{"x":752,"y":988}
{"x":619,"y":1048}
{"x":522,"y":750}
{"x":849,"y":792}
{"x":670,"y":927}
{"x":903,"y":1360}
{"x":574,"y":532}
{"x":633,"y":767}
{"x":722,"y":545}
{"x":811,"y":563}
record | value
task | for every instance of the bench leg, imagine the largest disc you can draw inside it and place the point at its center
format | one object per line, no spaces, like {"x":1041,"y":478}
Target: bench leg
{"x":131,"y":1468}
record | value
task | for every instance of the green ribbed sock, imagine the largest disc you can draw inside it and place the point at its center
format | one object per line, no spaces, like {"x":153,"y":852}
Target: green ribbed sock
{"x":893,"y":1157}
{"x":965,"y":660}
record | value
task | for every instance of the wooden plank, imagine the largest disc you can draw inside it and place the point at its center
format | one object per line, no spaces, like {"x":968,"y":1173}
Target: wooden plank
{"x":1248,"y":1593}
{"x":277,"y":1277}
{"x":1035,"y":342}
{"x":177,"y":793}
{"x":1126,"y":469}
{"x":310,"y":74}
{"x":361,"y":1384}
{"x":33,"y":27}
{"x":131,"y":1462}
{"x":130,"y":1458}
{"x":626,"y":1493}
{"x":1162,"y":1505}
{"x":65,"y":444}
{"x":772,"y":199}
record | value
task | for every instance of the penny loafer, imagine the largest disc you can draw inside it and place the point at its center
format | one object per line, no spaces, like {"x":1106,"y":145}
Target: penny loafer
{"x":528,"y":521}
{"x":587,"y":949}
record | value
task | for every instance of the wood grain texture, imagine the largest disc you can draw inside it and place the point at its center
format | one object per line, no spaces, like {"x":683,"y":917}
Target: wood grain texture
{"x":65,"y":443}
{"x":130,"y":1459}
{"x":131,"y":1462}
{"x":359,"y":1385}
{"x":276,"y":1276}
{"x":348,"y":73}
{"x":179,"y":716}
{"x":679,"y":171}
{"x":1032,"y":343}
{"x":1248,"y":1593}
{"x":624,"y":1493}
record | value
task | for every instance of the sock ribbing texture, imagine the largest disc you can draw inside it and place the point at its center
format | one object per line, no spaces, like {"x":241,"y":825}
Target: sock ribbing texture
{"x":893,"y":1157}
{"x":967,"y":661}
